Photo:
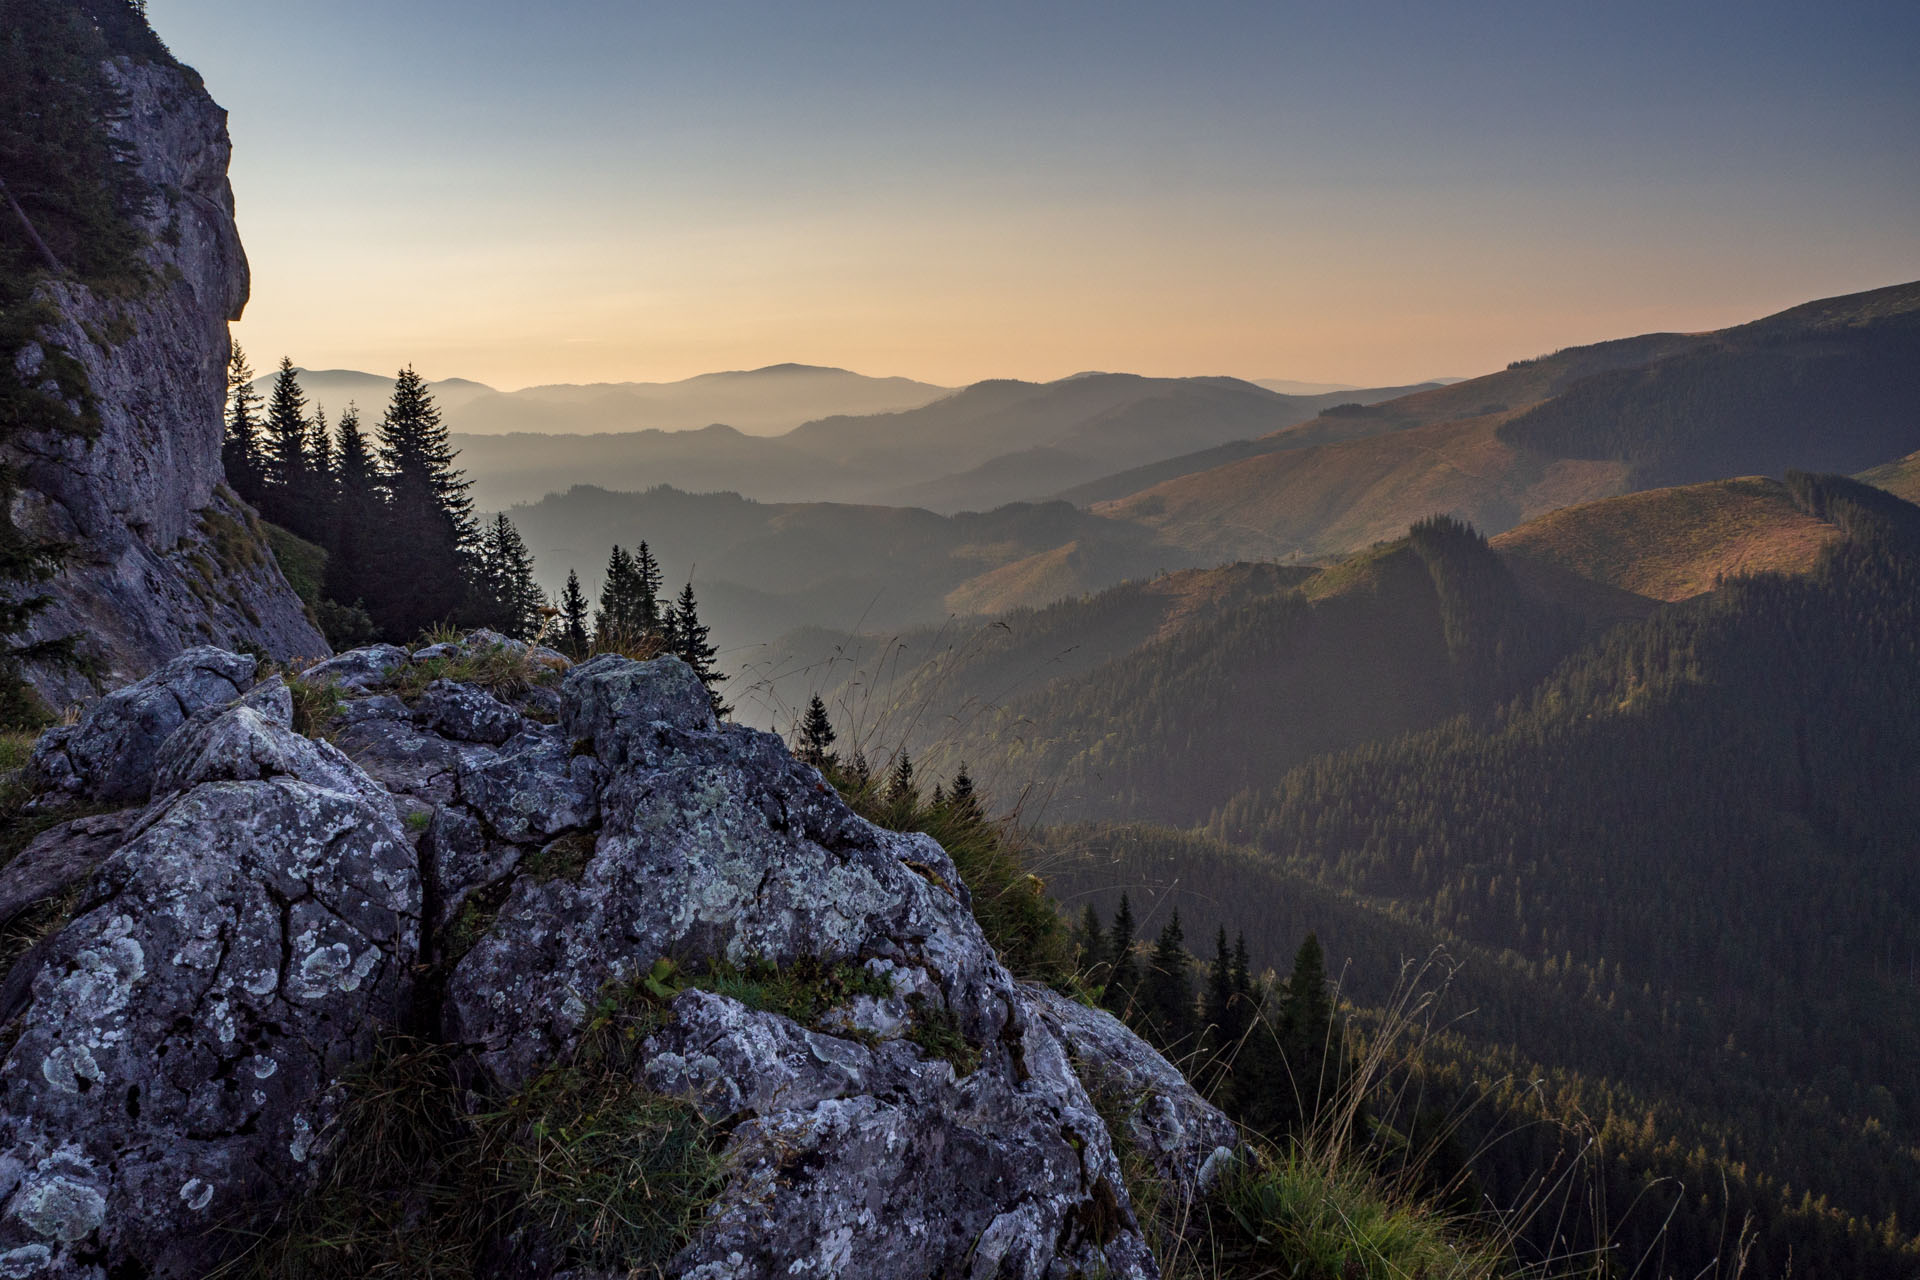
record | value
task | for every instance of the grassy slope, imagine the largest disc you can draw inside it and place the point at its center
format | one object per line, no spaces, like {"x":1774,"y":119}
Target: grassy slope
{"x":1673,"y":544}
{"x":1901,"y":478}
{"x":1579,"y":425}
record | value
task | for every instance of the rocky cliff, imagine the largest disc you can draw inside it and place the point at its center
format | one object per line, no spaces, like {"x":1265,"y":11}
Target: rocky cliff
{"x":558,"y":878}
{"x":161,"y":555}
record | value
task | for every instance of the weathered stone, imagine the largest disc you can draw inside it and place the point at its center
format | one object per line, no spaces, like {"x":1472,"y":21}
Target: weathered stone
{"x":181,"y":1049}
{"x":379,"y":707}
{"x":360,"y":669}
{"x":625,"y":707}
{"x":535,"y":789}
{"x":162,"y":554}
{"x":58,"y":858}
{"x":460,"y":858}
{"x":242,"y":745}
{"x":851,"y":1161}
{"x":109,"y":755}
{"x":410,"y":762}
{"x":172,"y":1068}
{"x":466,"y":714}
{"x":1187,"y":1139}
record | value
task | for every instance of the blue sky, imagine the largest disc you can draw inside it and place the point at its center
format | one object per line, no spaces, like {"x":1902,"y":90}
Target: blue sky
{"x":1353,"y":192}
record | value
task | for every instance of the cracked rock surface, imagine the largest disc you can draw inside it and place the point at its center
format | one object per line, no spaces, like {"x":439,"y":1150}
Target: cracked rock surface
{"x":179,"y":1053}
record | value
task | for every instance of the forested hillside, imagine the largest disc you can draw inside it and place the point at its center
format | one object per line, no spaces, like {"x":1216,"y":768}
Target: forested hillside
{"x":1710,"y":818}
{"x":1126,"y":705}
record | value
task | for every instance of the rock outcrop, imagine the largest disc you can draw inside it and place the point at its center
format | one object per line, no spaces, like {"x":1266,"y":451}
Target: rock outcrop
{"x":534,"y":853}
{"x":162,"y":555}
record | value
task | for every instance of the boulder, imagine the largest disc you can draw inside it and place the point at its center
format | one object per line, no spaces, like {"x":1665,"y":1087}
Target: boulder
{"x":360,"y":669}
{"x":466,"y":714}
{"x":109,"y":755}
{"x":180,"y":1046}
{"x":174,"y":1064}
{"x":1186,"y":1139}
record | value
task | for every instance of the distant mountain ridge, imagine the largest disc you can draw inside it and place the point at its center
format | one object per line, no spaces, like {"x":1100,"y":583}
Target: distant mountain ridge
{"x":1826,"y":386}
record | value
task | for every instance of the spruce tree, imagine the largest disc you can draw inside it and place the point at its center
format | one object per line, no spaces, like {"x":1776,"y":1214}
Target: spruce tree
{"x":323,"y":490}
{"x":613,"y":621}
{"x":1124,"y":971}
{"x":573,"y":615}
{"x":510,"y":601}
{"x":689,"y":643}
{"x":965,"y":803}
{"x":902,"y":796}
{"x":354,"y":533}
{"x":240,"y":442}
{"x":1219,"y":1008}
{"x":1309,"y":1037}
{"x":648,"y":609}
{"x":816,"y":738}
{"x":1167,"y":990}
{"x":424,"y":578}
{"x":860,"y":772}
{"x":286,"y":478}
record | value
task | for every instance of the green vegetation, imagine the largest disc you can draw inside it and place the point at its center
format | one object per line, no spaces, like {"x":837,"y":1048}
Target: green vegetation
{"x":582,"y":1166}
{"x":507,"y":670}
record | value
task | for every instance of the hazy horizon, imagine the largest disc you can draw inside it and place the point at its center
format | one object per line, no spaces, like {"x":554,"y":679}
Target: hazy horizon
{"x":600,"y":193}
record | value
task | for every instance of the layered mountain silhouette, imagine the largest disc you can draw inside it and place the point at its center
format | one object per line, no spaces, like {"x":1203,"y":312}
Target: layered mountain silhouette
{"x":1826,"y":386}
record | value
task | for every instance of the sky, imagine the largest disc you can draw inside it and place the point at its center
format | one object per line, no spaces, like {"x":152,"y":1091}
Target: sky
{"x":610,"y":190}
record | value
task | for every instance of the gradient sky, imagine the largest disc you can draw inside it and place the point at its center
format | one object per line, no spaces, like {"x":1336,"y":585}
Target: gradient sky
{"x":591,"y":190}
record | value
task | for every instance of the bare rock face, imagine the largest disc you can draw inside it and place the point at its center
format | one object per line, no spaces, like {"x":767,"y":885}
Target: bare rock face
{"x":165,"y":556}
{"x":177,"y":1051}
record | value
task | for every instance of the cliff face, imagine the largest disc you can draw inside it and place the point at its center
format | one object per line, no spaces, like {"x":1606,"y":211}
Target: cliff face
{"x":161,"y":555}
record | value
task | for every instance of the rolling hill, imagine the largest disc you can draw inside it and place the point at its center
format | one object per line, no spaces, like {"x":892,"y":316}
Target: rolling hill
{"x":1826,"y":386}
{"x":1673,"y":544}
{"x":763,"y":569}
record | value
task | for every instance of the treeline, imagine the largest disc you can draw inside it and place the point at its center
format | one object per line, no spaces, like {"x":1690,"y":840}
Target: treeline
{"x":635,"y":617}
{"x":1706,"y":824}
{"x":404,"y":550}
{"x":1556,"y":1093}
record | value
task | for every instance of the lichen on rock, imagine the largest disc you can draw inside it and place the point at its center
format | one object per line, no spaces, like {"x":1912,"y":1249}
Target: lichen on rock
{"x":270,"y":912}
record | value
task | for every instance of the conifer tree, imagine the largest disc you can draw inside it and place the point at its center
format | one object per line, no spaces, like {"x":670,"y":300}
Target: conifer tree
{"x":902,"y":796}
{"x":322,"y":492}
{"x":240,"y":442}
{"x":965,"y":802}
{"x":510,"y":599}
{"x":425,"y":570}
{"x":860,"y":771}
{"x":1124,"y":970}
{"x":614,"y":620}
{"x":649,"y":611}
{"x":688,"y":636}
{"x":354,"y":531}
{"x":816,"y":737}
{"x":1167,"y":990}
{"x":573,"y":615}
{"x":1219,"y":1007}
{"x":1309,"y":1038}
{"x":286,"y":479}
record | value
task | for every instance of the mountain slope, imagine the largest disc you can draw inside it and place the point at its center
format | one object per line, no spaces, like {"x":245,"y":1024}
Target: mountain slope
{"x":1715,"y":808}
{"x":1826,"y":386}
{"x":1670,"y":544}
